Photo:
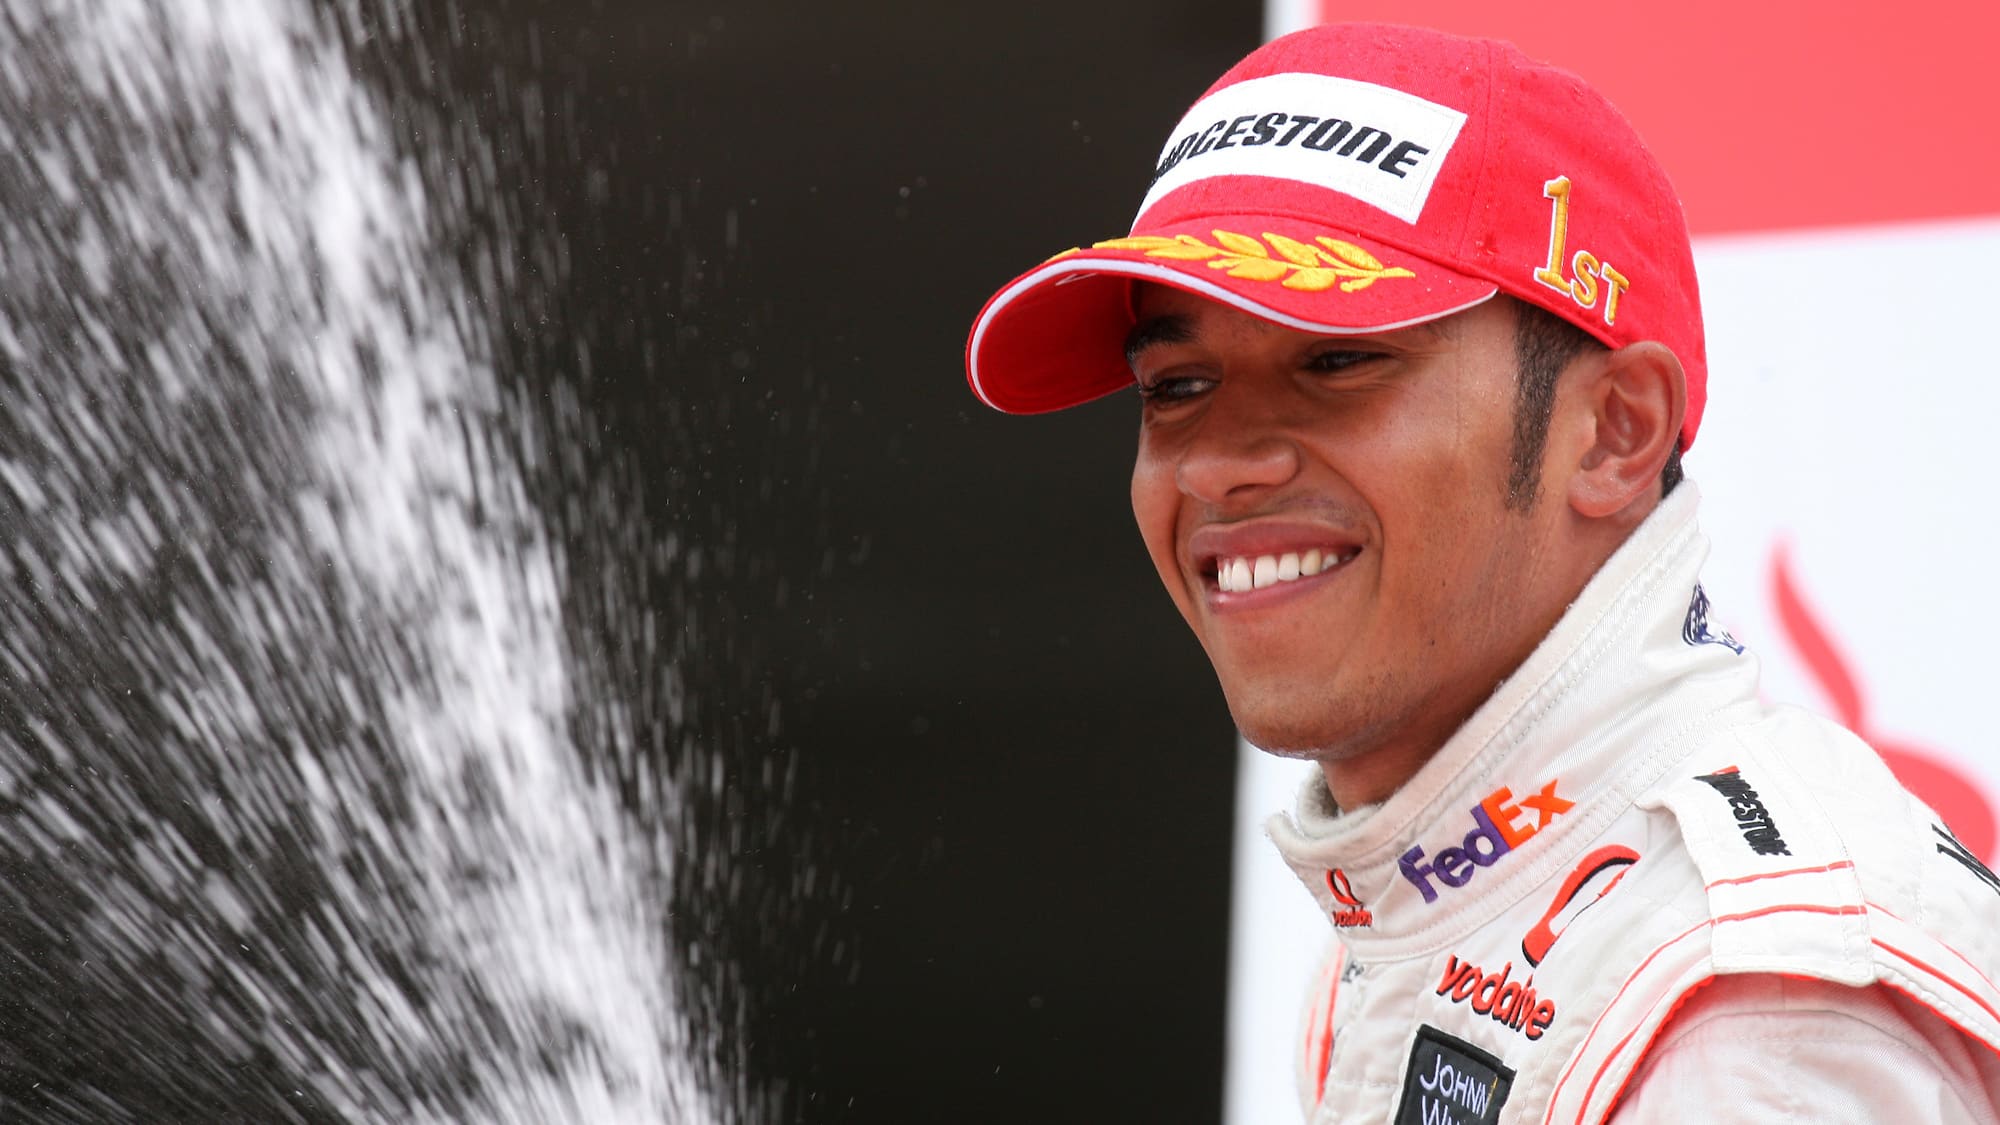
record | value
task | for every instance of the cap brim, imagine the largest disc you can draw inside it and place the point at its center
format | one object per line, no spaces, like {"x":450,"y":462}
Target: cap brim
{"x":1055,"y":336}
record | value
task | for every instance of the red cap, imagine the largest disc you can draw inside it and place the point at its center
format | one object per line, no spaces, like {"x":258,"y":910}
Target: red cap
{"x":1363,"y":177}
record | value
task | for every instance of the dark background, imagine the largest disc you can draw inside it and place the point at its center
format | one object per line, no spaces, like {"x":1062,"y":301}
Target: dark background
{"x":970,"y":861}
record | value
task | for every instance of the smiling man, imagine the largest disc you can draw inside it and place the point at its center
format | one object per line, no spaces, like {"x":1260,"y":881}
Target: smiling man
{"x":1414,"y":325}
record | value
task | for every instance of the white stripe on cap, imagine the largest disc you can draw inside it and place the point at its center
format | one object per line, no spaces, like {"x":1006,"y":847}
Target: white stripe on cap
{"x":1375,"y":143}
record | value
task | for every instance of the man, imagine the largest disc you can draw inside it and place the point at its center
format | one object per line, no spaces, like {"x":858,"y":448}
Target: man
{"x":1414,"y":324}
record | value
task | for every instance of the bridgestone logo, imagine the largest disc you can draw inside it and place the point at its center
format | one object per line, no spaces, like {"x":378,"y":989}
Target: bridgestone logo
{"x":1379,"y":145}
{"x":1365,"y":143}
{"x":1751,"y":816}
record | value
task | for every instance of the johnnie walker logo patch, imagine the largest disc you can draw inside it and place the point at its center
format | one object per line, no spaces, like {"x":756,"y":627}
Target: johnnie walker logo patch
{"x":1452,"y":1082}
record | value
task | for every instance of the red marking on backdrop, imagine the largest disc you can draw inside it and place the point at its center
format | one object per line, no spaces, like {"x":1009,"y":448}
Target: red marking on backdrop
{"x":1933,"y":777}
{"x":1776,"y":114}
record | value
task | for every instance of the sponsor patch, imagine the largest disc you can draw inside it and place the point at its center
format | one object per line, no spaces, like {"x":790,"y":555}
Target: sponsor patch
{"x":1752,"y":818}
{"x":1379,"y":145}
{"x":1950,"y":847}
{"x":1450,"y":1080}
{"x":1347,"y":909}
{"x":1695,"y":630}
{"x":1513,"y":1004}
{"x":1499,"y":825}
{"x":1591,"y":879}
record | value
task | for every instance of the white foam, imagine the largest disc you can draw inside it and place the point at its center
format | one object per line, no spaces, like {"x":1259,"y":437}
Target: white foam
{"x":535,"y":898}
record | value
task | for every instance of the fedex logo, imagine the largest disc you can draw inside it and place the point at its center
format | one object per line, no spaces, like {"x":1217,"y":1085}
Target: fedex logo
{"x":1499,"y":825}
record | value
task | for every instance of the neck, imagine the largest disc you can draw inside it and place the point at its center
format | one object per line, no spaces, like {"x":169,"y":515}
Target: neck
{"x":1371,"y":778}
{"x":1369,"y":769}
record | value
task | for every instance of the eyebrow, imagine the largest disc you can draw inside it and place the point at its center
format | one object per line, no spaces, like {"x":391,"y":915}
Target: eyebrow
{"x":1156,"y":330}
{"x":1444,"y":329}
{"x":1174,"y":329}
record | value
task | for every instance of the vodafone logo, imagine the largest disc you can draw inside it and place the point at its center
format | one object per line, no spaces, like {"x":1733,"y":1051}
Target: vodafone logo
{"x":1348,"y":911}
{"x":1499,"y":825}
{"x":1512,"y":1004}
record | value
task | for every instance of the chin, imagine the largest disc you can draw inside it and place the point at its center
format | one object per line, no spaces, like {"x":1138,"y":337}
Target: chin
{"x":1284,"y":736}
{"x":1304,"y":718}
{"x":1296,"y":753}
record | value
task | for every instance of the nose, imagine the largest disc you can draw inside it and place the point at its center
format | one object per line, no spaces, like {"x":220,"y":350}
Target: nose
{"x":1240,"y":448}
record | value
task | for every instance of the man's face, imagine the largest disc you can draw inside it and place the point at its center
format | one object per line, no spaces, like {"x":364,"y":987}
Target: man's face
{"x":1381,"y":463}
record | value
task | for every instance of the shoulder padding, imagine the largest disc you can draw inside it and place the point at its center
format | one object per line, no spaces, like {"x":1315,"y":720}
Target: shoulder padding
{"x":1788,"y":864}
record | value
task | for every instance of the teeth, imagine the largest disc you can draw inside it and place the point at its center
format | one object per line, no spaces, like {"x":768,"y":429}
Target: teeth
{"x":1239,"y":576}
{"x":1265,"y":572}
{"x":1245,"y":573}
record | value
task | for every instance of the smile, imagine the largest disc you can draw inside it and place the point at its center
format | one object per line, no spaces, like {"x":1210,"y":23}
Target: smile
{"x":1243,"y":573}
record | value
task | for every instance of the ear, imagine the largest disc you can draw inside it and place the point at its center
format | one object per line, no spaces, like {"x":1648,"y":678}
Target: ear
{"x":1637,"y":397}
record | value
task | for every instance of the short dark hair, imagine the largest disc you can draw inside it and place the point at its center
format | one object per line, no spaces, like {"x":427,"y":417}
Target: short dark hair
{"x":1544,"y":344}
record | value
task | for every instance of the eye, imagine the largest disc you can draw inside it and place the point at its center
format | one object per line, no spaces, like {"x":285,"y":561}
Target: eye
{"x":1168,"y":389}
{"x":1339,"y":359}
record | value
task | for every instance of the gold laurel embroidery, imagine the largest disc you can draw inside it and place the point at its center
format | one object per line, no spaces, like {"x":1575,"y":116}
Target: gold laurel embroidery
{"x":1298,"y":265}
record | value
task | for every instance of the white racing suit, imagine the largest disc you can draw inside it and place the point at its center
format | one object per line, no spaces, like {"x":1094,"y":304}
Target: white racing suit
{"x":1623,"y":831}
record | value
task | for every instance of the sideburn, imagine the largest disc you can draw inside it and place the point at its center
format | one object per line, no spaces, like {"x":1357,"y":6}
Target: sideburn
{"x":1544,"y":344}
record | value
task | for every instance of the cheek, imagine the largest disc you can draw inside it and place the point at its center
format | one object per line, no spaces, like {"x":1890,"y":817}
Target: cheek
{"x":1156,"y":508}
{"x":1436,"y":481}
